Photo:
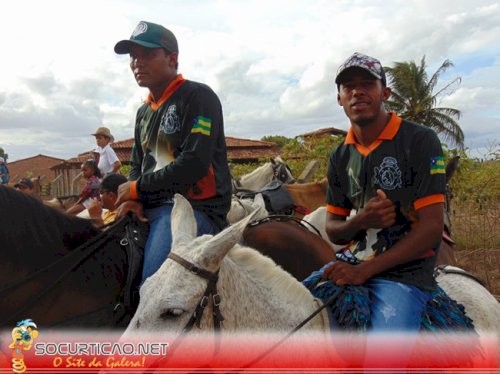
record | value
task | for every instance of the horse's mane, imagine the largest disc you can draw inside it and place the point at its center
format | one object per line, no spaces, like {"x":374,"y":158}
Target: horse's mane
{"x":265,"y":269}
{"x":31,"y":230}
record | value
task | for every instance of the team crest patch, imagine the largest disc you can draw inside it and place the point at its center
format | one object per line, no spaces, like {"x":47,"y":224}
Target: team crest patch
{"x":202,"y":125}
{"x":388,"y":174}
{"x":437,"y":165}
{"x":170,"y":121}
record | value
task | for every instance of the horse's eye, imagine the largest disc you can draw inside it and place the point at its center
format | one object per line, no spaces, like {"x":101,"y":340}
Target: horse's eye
{"x":171,"y":313}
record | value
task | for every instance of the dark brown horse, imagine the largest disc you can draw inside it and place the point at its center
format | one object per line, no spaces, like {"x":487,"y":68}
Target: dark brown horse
{"x":292,"y":246}
{"x":55,"y":269}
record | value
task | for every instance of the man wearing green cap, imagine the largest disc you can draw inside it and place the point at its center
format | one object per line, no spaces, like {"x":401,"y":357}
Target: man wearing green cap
{"x":179,"y":145}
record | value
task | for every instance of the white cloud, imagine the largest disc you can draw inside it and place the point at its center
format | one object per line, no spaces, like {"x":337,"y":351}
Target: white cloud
{"x":272,"y":63}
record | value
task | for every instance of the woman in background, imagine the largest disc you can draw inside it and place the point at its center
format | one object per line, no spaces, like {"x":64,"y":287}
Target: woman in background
{"x":91,"y":190}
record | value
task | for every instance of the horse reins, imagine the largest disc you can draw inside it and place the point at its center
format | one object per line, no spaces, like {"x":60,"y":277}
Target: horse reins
{"x":446,"y":270}
{"x":286,"y":218}
{"x":74,"y":259}
{"x":211,"y":290}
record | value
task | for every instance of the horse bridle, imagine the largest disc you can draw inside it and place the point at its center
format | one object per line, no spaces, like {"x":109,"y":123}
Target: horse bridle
{"x":280,"y":171}
{"x":211,"y":290}
{"x":217,"y":316}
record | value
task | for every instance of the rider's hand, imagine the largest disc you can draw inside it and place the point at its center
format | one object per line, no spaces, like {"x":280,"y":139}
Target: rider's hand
{"x":378,"y":213}
{"x":131,"y":206}
{"x":95,"y":209}
{"x":343,"y":273}
{"x":123,"y":193}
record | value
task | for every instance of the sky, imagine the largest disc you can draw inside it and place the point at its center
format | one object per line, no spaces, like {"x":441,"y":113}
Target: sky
{"x":271,"y":62}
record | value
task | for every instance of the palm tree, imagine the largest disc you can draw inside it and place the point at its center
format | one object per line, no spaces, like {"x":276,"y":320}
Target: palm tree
{"x":413,"y":98}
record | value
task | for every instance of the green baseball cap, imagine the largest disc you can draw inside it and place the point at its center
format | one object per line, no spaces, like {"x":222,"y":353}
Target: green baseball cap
{"x":149,"y":35}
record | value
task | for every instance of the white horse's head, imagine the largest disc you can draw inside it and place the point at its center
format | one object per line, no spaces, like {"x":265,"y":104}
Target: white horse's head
{"x":281,"y":170}
{"x":255,"y":293}
{"x":169,"y":297}
{"x":264,"y":174}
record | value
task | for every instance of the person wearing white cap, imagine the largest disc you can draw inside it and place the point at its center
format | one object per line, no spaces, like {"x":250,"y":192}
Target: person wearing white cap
{"x":108,"y":160}
{"x":4,"y":172}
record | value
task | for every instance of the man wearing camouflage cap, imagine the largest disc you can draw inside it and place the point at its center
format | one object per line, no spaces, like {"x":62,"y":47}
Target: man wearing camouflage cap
{"x":390,"y":173}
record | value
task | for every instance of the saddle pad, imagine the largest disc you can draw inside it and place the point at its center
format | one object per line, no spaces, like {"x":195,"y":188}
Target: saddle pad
{"x":276,"y":197}
{"x":351,"y":307}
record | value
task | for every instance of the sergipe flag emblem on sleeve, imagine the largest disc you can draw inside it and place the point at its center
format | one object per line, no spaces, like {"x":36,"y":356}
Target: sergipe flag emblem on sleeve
{"x":437,"y":165}
{"x":203,"y":125}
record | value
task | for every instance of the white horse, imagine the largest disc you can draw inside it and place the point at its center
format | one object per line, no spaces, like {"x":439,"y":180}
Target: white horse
{"x":317,"y":219}
{"x":256,"y":295}
{"x":254,"y":181}
{"x":267,"y":297}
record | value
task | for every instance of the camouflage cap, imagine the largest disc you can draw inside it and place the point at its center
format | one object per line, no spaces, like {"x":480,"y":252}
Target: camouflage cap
{"x":359,"y":60}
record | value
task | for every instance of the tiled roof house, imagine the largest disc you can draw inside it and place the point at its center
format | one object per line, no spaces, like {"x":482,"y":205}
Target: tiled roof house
{"x":68,"y":180}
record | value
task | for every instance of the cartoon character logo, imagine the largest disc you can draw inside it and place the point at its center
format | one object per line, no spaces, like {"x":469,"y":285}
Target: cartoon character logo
{"x":23,"y":336}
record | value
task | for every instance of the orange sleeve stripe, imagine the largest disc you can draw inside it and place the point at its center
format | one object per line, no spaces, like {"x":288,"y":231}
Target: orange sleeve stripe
{"x":133,"y":191}
{"x":338,"y":211}
{"x":428,"y":200}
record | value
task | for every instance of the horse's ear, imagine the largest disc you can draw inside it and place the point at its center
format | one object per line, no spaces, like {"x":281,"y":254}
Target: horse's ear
{"x":220,"y":244}
{"x":183,"y":221}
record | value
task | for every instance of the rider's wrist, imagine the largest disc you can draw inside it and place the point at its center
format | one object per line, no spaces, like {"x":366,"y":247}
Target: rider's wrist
{"x":133,"y":191}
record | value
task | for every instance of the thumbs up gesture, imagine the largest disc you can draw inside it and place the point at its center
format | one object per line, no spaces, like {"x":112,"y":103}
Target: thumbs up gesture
{"x":379,"y":212}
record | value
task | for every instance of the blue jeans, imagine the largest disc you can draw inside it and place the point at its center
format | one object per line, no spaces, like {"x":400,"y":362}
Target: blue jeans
{"x":394,"y":306}
{"x":159,"y":240}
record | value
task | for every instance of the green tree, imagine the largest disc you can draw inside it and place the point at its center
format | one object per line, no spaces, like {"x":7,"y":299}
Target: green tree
{"x":3,"y":154}
{"x":414,"y":99}
{"x":279,"y":140}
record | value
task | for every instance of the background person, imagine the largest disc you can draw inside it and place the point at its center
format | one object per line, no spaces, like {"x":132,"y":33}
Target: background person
{"x":91,"y":190}
{"x":179,"y":145}
{"x":103,"y":211}
{"x":4,"y":172}
{"x":26,"y":186}
{"x":108,"y":160}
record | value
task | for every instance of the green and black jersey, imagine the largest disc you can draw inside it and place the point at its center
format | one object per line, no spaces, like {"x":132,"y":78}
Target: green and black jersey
{"x":406,"y":162}
{"x":180,"y":147}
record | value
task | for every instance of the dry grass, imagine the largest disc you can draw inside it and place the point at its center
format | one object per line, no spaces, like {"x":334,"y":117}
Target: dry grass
{"x":476,"y":233}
